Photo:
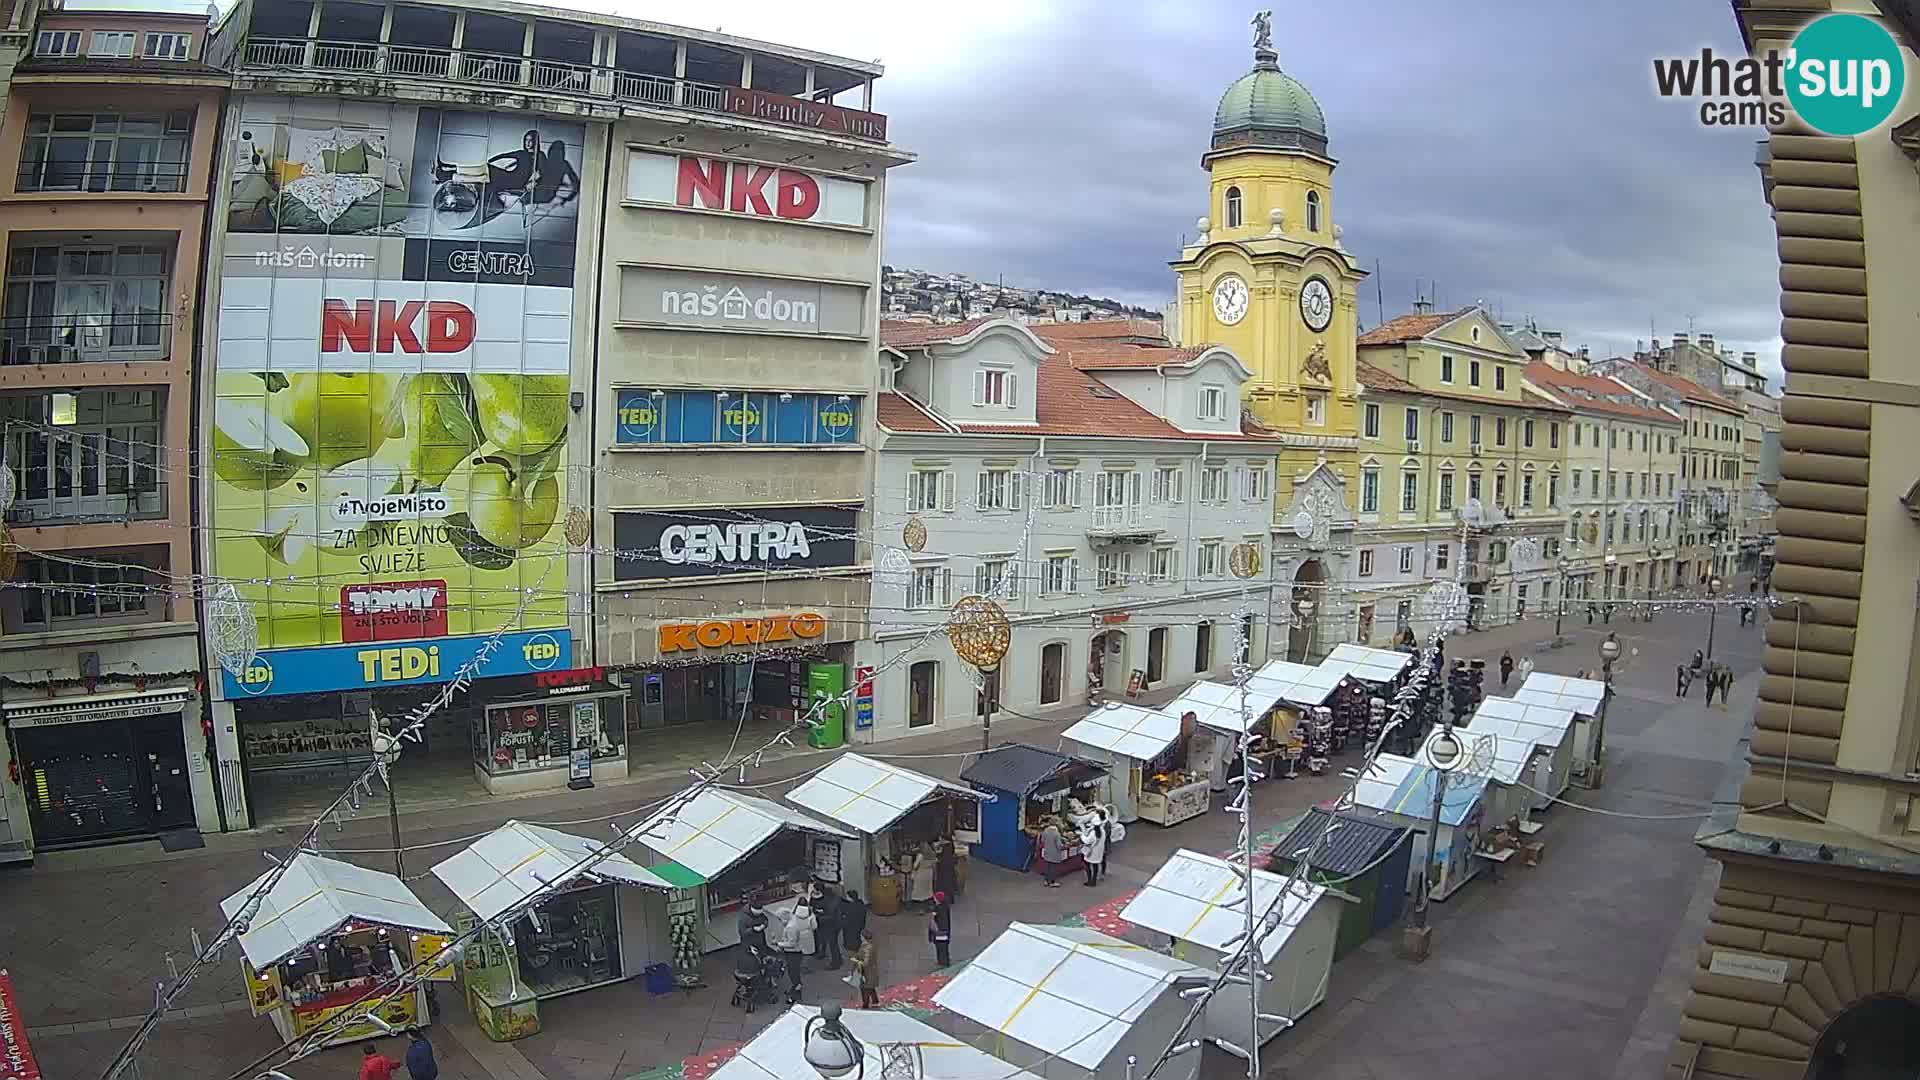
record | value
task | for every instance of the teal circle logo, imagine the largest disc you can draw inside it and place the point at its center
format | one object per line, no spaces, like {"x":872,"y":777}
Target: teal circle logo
{"x":1845,"y":74}
{"x":257,"y":677}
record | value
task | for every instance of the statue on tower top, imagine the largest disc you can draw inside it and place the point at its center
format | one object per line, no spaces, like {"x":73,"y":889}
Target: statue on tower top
{"x":1263,"y":31}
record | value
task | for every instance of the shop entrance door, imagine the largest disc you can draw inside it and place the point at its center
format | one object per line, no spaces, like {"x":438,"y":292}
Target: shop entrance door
{"x":105,"y":780}
{"x":1156,"y":655}
{"x":1053,"y":663}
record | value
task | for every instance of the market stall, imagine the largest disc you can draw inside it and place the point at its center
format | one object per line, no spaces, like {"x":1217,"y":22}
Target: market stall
{"x":1221,"y":712}
{"x":1071,"y":1001}
{"x":1401,"y":791}
{"x":1304,"y":692}
{"x":1199,"y":902}
{"x":1146,"y":751}
{"x":1028,"y":785}
{"x":1548,"y":726}
{"x":598,"y":927}
{"x":1368,"y":679}
{"x":329,"y":934}
{"x":1508,"y":764}
{"x":1367,"y":857}
{"x":741,"y":850}
{"x":1582,"y":697}
{"x":901,"y":815}
{"x":779,"y":1051}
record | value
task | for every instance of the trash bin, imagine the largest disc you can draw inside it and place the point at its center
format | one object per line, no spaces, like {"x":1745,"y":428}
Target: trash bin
{"x":659,"y":978}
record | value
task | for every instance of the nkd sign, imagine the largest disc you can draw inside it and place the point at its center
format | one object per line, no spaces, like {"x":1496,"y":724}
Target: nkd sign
{"x":742,"y":187}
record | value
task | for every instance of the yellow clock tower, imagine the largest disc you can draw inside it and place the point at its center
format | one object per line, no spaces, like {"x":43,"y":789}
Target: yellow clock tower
{"x":1267,"y":276}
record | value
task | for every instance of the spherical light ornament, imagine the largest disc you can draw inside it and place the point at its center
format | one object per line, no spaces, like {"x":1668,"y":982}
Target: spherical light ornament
{"x":828,"y":1047}
{"x":1444,"y":752}
{"x":1525,"y":549}
{"x":1244,"y":561}
{"x":8,"y":490}
{"x":979,"y":631}
{"x":233,"y":634}
{"x":914,"y":534}
{"x":895,"y":568}
{"x":9,"y":554}
{"x":579,"y":526}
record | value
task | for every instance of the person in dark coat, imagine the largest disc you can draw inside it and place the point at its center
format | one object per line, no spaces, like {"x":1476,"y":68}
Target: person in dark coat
{"x":853,"y":919}
{"x":940,"y":929}
{"x":946,"y":870}
{"x":1506,"y":667}
{"x":420,"y":1063}
{"x":827,"y":910}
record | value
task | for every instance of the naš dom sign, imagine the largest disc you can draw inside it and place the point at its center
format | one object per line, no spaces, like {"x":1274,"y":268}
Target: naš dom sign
{"x":723,"y":633}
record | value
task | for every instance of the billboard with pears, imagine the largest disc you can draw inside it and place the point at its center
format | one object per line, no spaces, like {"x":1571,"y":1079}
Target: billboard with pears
{"x":389,"y":436}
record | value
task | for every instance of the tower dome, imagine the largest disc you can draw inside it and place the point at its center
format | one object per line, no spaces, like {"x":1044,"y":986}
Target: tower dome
{"x":1269,"y":109}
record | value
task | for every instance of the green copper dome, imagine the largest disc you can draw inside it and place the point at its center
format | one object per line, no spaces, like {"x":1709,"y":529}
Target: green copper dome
{"x":1268,"y":108}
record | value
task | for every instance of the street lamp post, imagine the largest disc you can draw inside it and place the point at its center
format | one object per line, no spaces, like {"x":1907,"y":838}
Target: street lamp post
{"x":1609,"y":653}
{"x":1713,"y":611}
{"x":830,"y":1048}
{"x":1443,"y":754}
{"x":1560,"y":612}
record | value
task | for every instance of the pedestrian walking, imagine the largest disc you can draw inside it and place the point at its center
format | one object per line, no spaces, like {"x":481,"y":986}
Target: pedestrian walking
{"x":866,"y":970}
{"x":804,"y":924}
{"x":1506,"y":667}
{"x":946,"y":870}
{"x":1053,"y":852}
{"x":788,"y":941}
{"x":1746,"y":614}
{"x":1683,"y":680}
{"x":1094,"y":850}
{"x":1526,"y":670}
{"x":853,"y":919}
{"x":1590,"y":612}
{"x":375,"y":1065}
{"x":827,"y":909}
{"x":420,"y":1063}
{"x":940,"y":929}
{"x":753,"y":925}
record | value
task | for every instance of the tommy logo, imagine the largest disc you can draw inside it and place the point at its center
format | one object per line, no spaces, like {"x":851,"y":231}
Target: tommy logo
{"x":395,"y":326}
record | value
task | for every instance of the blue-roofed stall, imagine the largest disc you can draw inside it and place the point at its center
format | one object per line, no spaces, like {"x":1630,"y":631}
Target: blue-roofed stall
{"x":1029,"y":784}
{"x":1401,"y":790}
{"x":1365,"y":856}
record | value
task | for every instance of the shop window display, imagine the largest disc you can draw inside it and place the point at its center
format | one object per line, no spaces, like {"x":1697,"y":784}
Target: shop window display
{"x":576,"y":942}
{"x":766,"y":875}
{"x":526,"y":736}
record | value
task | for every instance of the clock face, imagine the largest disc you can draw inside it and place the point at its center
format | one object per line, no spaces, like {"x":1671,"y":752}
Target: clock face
{"x":1316,"y":304}
{"x":1230,"y":299}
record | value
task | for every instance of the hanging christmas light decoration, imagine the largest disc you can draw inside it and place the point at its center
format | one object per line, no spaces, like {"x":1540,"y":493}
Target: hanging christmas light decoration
{"x":1525,"y":549}
{"x":895,"y":567}
{"x":232,"y":632}
{"x":8,"y":490}
{"x":1442,"y":604}
{"x":914,"y":534}
{"x":9,"y":554}
{"x":579,"y":526}
{"x":1243,"y":561}
{"x":979,"y":631}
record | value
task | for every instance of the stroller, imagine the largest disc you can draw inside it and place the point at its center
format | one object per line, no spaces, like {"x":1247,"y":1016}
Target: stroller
{"x":763,"y":982}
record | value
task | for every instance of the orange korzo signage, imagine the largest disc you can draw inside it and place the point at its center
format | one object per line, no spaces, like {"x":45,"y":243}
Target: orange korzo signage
{"x":721,"y":633}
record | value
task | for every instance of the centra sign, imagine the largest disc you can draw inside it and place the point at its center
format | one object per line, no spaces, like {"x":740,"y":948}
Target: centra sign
{"x":769,"y":541}
{"x":722,"y":633}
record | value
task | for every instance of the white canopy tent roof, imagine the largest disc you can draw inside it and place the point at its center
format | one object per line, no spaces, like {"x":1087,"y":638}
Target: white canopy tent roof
{"x":1188,"y":898}
{"x":516,"y":860}
{"x":1298,"y":683}
{"x":1066,"y":991}
{"x":1139,"y":733}
{"x":1562,"y":692}
{"x":315,"y":897}
{"x":1367,"y":665}
{"x":1217,"y":705}
{"x":779,"y":1051}
{"x":1504,"y":759}
{"x":1554,"y":720}
{"x":868,"y":796}
{"x":1398,"y":785}
{"x":718,"y":828}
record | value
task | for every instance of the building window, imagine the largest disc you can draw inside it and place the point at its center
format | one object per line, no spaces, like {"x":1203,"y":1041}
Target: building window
{"x":1473,"y":483}
{"x":1062,"y":575}
{"x":1612,"y":483}
{"x":1441,"y":553}
{"x":112,"y":44}
{"x":1446,"y":427}
{"x":1203,"y":647}
{"x":89,"y":454}
{"x":1234,"y":212}
{"x":929,"y":490}
{"x":1473,"y":373}
{"x":1213,"y":484}
{"x":167,"y":46}
{"x":57,"y":43}
{"x":1500,"y":490}
{"x":923,"y":682}
{"x":1259,"y":483}
{"x":1062,"y":489}
{"x":1553,"y":489}
{"x":1370,"y":421}
{"x":1211,"y":560}
{"x":997,"y":577}
{"x":1369,"y":491}
{"x":1526,"y":433}
{"x":1473,"y":430}
{"x":1406,"y":559}
{"x":1169,"y":483}
{"x":82,"y":303}
{"x":1163,"y":565}
{"x":1446,"y":368}
{"x":1213,"y":403}
{"x":1576,"y":434}
{"x":1366,"y":562}
{"x":1409,"y":491}
{"x":1316,"y":409}
{"x":1114,"y":570}
{"x":1553,"y":436}
{"x":1613,"y":438}
{"x":996,"y":386}
{"x":931,"y":587}
{"x":1446,"y":489}
{"x":1526,"y":489}
{"x":1410,"y":425}
{"x":1499,"y":431}
{"x":105,"y":151}
{"x":998,"y":489}
{"x":1576,"y":477}
{"x":1499,"y":374}
{"x":58,"y":593}
{"x":1313,"y":211}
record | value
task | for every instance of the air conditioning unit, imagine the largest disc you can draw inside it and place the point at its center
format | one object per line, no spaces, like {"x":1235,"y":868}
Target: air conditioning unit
{"x":1474,"y":449}
{"x":1413,"y":446}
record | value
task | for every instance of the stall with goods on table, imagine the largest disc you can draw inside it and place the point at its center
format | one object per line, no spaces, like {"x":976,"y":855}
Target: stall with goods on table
{"x":1146,"y":751}
{"x":744,"y":851}
{"x":1030,"y":786}
{"x":1361,"y":854}
{"x":902,"y":816}
{"x":1367,"y":680}
{"x":331,"y":938}
{"x":1303,"y":693}
{"x":1582,"y":697}
{"x":1401,"y":791}
{"x":589,"y":928}
{"x":1200,"y":902}
{"x":1507,"y":764}
{"x":1549,"y":726}
{"x":1220,"y":713}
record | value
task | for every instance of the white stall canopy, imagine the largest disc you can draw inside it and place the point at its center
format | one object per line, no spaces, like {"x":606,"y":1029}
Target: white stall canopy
{"x":1065,"y":991}
{"x":1199,"y":898}
{"x":516,"y":860}
{"x":869,"y":796}
{"x":1495,"y":755}
{"x":1367,"y":665}
{"x":1129,"y":730}
{"x":315,"y":897}
{"x":1552,"y":723}
{"x":1218,"y":705}
{"x":1298,"y":684}
{"x":1403,"y":786}
{"x":718,"y":828}
{"x":779,"y":1051}
{"x":1562,"y":692}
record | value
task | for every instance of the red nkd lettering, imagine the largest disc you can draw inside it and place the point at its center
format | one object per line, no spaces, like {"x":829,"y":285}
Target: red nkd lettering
{"x":749,"y":195}
{"x":389,"y":326}
{"x":799,"y":196}
{"x":701,"y":183}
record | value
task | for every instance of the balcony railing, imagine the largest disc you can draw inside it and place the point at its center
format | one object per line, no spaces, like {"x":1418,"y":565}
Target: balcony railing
{"x":1116,"y":517}
{"x":554,"y":76}
{"x":55,"y":176}
{"x":147,"y":501}
{"x":85,"y":338}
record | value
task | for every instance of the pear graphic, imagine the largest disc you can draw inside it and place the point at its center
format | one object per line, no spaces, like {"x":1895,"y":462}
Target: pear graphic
{"x":342,"y":417}
{"x":440,"y":429}
{"x":252,"y":448}
{"x":521,"y":414}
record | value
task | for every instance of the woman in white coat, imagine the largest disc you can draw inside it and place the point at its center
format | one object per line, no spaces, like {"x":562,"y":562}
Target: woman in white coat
{"x":802,"y":925}
{"x":1093,"y":850}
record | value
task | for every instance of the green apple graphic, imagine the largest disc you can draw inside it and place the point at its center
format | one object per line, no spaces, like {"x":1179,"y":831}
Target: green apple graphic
{"x":440,"y":428}
{"x":252,"y":448}
{"x":342,"y":417}
{"x":521,"y":414}
{"x":507,"y":504}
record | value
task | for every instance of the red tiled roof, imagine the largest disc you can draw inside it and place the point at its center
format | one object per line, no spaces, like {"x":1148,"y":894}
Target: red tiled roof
{"x":1374,"y":378}
{"x":1101,"y":330}
{"x":1098,"y":355}
{"x":1550,"y":378}
{"x":1688,"y":389}
{"x":1408,"y":327}
{"x":898,"y":412}
{"x":901,"y":334}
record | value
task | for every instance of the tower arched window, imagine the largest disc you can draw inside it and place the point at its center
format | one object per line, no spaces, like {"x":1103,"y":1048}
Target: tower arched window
{"x":1233,"y":213}
{"x":1313,"y":211}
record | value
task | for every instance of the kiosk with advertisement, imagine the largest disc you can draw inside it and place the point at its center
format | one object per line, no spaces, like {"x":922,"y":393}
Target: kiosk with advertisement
{"x":540,"y":728}
{"x":901,"y":815}
{"x":329,"y":934}
{"x":744,"y":851}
